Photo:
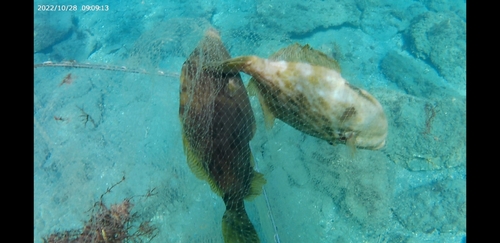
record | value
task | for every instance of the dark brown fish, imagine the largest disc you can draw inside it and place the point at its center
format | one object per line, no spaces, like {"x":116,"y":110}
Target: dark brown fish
{"x":217,"y":126}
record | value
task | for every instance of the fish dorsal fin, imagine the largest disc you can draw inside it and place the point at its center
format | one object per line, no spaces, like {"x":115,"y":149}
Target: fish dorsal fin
{"x":305,"y":54}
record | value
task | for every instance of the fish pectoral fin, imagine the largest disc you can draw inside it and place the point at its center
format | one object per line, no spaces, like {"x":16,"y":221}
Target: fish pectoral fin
{"x":351,"y":143}
{"x":253,"y":90}
{"x":258,"y":181}
{"x":268,"y":116}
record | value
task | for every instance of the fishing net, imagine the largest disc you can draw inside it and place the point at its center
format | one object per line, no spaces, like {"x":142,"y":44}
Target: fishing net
{"x":215,"y":146}
{"x":217,"y":126}
{"x":303,"y":87}
{"x":174,"y":37}
{"x":89,"y":106}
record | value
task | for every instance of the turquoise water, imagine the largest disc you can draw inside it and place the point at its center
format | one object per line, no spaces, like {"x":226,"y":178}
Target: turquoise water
{"x":118,"y":116}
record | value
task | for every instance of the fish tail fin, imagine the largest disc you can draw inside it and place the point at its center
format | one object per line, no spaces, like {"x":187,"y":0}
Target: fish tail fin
{"x":237,"y":227}
{"x":231,"y":66}
{"x":239,"y":63}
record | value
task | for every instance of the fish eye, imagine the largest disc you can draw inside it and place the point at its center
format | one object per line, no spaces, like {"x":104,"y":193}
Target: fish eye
{"x":340,"y":135}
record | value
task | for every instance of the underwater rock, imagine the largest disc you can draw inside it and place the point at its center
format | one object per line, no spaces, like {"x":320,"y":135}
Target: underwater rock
{"x":440,"y":38}
{"x":425,"y":134}
{"x":368,"y":191}
{"x":456,"y":6}
{"x":437,"y":206}
{"x":383,"y":23}
{"x":51,"y":29}
{"x":414,"y":76}
{"x":293,"y":17}
{"x":361,"y":186}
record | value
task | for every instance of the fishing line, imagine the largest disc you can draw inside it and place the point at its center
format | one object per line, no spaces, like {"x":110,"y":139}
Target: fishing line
{"x":270,"y":212}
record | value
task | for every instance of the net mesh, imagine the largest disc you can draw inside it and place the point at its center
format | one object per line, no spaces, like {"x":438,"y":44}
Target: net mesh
{"x":106,"y":105}
{"x":217,"y":125}
{"x":303,"y":87}
{"x":174,"y":37}
{"x":298,"y":85}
